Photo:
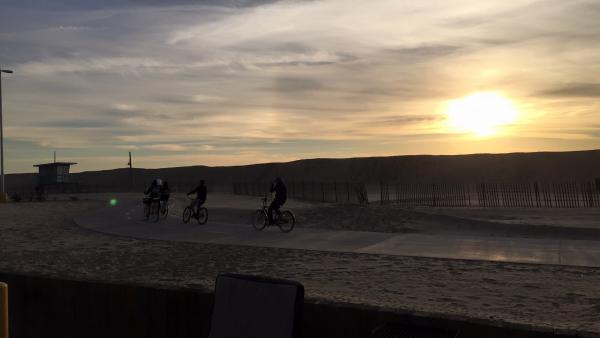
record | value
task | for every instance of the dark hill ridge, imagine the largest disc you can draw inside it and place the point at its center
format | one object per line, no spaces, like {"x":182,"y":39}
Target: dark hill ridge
{"x":512,"y":167}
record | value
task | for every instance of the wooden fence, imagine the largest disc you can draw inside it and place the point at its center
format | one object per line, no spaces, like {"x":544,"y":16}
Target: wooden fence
{"x":495,"y":195}
{"x":483,"y":195}
{"x":335,"y":192}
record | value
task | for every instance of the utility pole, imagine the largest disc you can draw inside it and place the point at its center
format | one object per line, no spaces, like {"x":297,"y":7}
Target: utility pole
{"x":130,"y":173}
{"x":2,"y":187}
{"x":55,"y":156}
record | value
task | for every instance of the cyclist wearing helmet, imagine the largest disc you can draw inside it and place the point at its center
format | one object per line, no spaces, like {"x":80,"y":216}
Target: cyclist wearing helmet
{"x":280,"y":197}
{"x":165,"y":192}
{"x":200,"y":192}
{"x":153,"y":191}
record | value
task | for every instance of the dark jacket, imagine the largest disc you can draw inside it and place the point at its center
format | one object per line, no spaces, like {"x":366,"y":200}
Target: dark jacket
{"x":153,"y":190}
{"x":280,"y":192}
{"x":165,"y":192}
{"x":200,"y":192}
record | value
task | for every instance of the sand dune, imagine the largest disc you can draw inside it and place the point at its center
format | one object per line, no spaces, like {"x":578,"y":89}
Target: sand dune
{"x":514,"y":167}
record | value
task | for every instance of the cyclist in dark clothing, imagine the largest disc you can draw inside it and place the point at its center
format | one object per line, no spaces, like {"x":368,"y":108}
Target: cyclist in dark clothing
{"x":165,"y":192}
{"x":280,"y":197}
{"x":153,"y":191}
{"x":200,"y":192}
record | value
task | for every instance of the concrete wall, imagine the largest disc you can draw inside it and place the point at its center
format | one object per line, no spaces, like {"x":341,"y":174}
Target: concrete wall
{"x":47,"y":307}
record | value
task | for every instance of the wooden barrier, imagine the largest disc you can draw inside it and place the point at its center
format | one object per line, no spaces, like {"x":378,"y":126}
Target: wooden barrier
{"x":3,"y":310}
{"x":483,"y":195}
{"x":51,"y":307}
{"x":333,"y":192}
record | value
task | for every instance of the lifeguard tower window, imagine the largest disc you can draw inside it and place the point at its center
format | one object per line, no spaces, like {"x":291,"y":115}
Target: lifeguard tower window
{"x":54,"y":173}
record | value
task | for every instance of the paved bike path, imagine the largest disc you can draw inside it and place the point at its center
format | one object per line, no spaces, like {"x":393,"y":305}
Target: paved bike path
{"x":126,"y":220}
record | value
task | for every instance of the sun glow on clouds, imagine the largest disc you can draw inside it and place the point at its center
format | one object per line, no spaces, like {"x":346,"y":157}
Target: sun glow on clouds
{"x":203,"y":83}
{"x":482,"y":114}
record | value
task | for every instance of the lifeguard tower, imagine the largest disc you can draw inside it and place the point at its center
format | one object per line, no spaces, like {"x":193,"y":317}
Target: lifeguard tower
{"x":55,"y":176}
{"x":54,"y":173}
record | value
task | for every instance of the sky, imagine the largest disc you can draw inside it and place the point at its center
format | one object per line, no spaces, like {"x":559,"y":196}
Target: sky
{"x":208,"y":82}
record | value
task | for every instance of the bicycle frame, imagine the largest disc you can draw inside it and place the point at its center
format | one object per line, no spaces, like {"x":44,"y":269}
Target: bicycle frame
{"x":194,"y":208}
{"x":265,"y":208}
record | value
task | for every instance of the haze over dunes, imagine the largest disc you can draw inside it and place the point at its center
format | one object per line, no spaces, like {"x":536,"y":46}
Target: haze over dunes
{"x":477,"y":168}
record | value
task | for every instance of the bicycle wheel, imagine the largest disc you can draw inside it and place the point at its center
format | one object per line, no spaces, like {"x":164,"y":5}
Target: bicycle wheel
{"x":202,"y":215}
{"x":259,"y":219}
{"x":286,"y":221}
{"x":164,"y":210}
{"x":187,"y":214}
{"x":155,"y":211}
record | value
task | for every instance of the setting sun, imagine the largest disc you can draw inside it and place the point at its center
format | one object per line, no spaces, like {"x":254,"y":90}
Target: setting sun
{"x":481,"y":114}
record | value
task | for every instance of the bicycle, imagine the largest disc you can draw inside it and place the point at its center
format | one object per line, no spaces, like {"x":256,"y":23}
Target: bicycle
{"x":164,"y":209}
{"x":151,"y":208}
{"x":201,"y":216}
{"x":285,"y":219}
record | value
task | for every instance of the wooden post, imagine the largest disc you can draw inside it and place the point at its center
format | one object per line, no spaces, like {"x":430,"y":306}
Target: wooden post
{"x":335,"y":191}
{"x":130,"y":163}
{"x":348,"y":191}
{"x":485,"y":195}
{"x":468,"y":187}
{"x":456,"y":195}
{"x":577,"y":193}
{"x":3,"y":310}
{"x":571,"y":195}
{"x":400,"y":192}
{"x":467,"y":195}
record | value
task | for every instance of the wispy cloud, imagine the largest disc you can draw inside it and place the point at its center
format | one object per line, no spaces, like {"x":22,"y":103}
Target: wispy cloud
{"x":250,"y":80}
{"x":575,"y":90}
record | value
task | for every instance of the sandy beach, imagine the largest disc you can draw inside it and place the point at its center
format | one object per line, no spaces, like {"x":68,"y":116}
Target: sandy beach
{"x":41,"y":238}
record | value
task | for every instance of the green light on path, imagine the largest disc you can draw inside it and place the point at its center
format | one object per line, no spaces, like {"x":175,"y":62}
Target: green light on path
{"x":113,"y":202}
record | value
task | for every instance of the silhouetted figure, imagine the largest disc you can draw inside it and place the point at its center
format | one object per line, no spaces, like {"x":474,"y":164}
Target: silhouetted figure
{"x":165,"y":192}
{"x":280,"y":197}
{"x":200,"y":192}
{"x":153,"y":190}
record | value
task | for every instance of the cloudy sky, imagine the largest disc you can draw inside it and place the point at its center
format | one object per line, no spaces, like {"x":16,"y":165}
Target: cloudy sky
{"x":245,"y":81}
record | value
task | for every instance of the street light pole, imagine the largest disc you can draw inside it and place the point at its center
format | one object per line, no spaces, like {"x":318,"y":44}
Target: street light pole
{"x":2,"y":187}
